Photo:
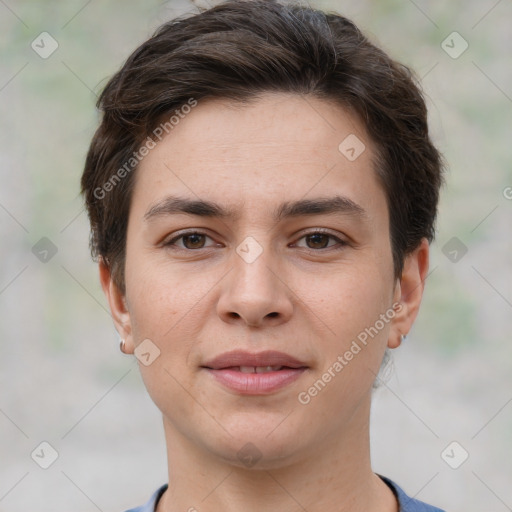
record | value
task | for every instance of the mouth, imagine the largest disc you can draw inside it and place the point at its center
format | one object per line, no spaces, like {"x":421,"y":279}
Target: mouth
{"x":259,"y":373}
{"x":255,"y":369}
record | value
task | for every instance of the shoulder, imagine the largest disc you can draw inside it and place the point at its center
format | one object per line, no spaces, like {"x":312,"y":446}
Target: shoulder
{"x":408,"y":504}
{"x":150,"y":505}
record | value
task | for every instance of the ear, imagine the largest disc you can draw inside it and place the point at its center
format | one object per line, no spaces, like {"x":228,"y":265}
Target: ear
{"x":118,"y":307}
{"x":408,"y":292}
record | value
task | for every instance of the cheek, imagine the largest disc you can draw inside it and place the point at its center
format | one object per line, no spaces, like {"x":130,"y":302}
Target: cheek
{"x":351,"y":298}
{"x":352,"y":308}
{"x":167,"y":318}
{"x":350,"y":354}
{"x":162,"y":310}
{"x":167,"y":307}
{"x":158,"y":296}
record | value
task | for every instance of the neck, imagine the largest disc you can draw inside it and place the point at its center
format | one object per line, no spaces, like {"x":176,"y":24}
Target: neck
{"x":336,"y":476}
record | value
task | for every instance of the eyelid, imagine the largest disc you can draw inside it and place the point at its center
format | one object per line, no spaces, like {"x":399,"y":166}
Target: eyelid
{"x":323,"y":231}
{"x":312,"y":231}
{"x":180,"y":234}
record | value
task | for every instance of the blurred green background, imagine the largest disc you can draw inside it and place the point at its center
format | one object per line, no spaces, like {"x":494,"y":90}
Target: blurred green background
{"x":62,"y":377}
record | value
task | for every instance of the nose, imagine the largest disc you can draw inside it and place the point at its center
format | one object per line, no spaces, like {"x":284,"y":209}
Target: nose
{"x":255,"y":293}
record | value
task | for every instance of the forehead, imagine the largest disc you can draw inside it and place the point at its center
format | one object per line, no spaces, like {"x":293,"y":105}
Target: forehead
{"x":294,"y":126}
{"x":275,"y":148}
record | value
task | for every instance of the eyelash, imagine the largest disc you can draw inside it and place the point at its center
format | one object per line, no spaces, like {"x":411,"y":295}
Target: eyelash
{"x":171,"y":243}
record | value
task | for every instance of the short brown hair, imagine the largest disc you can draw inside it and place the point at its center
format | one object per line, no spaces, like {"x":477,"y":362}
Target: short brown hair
{"x":236,"y":51}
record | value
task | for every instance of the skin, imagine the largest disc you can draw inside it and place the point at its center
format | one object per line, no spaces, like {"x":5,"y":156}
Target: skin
{"x":308,"y":297}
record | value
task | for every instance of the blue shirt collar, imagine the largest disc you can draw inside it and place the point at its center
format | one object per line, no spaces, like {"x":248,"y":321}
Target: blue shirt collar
{"x":407,"y":504}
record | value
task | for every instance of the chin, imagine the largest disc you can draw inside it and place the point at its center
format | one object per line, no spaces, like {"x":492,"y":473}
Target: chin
{"x":257,"y":457}
{"x":259,"y":441}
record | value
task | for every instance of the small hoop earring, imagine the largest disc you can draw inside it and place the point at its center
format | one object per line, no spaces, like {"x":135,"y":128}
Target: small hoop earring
{"x":403,"y":337}
{"x":122,"y":346}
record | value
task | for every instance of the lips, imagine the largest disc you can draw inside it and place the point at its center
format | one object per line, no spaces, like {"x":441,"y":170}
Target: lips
{"x":240,"y":358}
{"x":255,"y":374}
{"x":257,"y":369}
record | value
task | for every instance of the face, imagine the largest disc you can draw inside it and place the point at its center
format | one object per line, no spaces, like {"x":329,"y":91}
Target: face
{"x":273,"y":273}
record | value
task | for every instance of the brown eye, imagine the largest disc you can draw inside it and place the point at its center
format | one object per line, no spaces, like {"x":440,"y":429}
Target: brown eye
{"x":194,"y":241}
{"x":190,"y":241}
{"x":318,"y":240}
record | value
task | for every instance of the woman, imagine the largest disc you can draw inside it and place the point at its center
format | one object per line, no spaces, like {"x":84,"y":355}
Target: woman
{"x":262,"y":192}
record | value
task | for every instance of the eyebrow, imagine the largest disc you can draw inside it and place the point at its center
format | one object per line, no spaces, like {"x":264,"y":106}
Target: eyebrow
{"x":336,"y":205}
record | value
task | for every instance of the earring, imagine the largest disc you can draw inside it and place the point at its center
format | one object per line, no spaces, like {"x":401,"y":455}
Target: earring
{"x":122,"y":346}
{"x":403,"y":337}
